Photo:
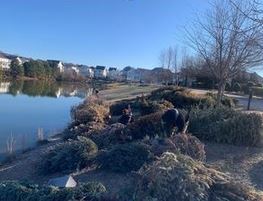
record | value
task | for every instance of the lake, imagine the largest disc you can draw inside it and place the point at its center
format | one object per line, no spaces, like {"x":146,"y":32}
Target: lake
{"x":31,"y":109}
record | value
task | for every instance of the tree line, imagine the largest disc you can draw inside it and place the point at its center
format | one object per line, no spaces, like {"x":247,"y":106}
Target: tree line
{"x":34,"y":69}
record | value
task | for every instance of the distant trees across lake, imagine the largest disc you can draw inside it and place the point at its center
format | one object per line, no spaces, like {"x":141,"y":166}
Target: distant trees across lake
{"x":34,"y":69}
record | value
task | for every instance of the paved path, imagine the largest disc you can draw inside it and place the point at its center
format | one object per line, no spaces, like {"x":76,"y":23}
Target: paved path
{"x":256,"y":104}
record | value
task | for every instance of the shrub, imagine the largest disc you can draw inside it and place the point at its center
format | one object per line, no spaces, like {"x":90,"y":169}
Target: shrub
{"x":182,"y":143}
{"x":69,"y":156}
{"x":149,"y":107}
{"x":19,"y":191}
{"x":92,"y":110}
{"x":224,"y":125}
{"x":228,"y":87}
{"x":124,"y":158}
{"x":236,"y":87}
{"x":180,"y":178}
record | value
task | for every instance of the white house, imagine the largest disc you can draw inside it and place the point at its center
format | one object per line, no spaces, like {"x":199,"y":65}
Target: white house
{"x":57,"y":64}
{"x":113,"y":73}
{"x":90,"y":72}
{"x":21,"y":60}
{"x":100,"y":72}
{"x":86,"y":71}
{"x":75,"y":69}
{"x":134,"y":75}
{"x":4,"y":62}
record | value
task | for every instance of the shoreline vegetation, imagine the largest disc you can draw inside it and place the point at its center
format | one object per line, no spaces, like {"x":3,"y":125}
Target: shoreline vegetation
{"x":112,"y":161}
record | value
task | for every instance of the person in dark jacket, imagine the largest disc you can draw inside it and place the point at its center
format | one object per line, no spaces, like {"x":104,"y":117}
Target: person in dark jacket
{"x":172,"y":119}
{"x":127,"y":116}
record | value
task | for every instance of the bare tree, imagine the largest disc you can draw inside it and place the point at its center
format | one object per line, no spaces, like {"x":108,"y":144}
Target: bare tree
{"x":227,"y":42}
{"x":175,"y":66}
{"x":253,"y":12}
{"x":169,"y":57}
{"x":162,"y":58}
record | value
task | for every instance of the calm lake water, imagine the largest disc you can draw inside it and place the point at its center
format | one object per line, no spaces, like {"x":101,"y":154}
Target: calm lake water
{"x":28,"y":108}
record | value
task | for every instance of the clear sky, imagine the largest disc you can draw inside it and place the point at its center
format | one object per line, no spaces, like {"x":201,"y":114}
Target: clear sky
{"x":96,"y":32}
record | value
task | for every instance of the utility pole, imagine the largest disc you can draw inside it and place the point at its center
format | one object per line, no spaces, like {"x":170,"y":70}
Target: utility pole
{"x":250,"y":98}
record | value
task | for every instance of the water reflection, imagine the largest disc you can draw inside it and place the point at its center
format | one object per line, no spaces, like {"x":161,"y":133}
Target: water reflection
{"x":29,"y":106}
{"x":48,"y":89}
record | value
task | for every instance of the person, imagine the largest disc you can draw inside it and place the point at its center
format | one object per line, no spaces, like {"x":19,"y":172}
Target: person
{"x":127,"y":116}
{"x":172,"y":119}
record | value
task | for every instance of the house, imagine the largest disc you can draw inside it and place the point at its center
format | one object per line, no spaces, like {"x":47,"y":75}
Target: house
{"x":139,"y":75}
{"x":57,"y":64}
{"x":86,"y":71}
{"x":75,"y":69}
{"x":90,"y":72}
{"x":21,"y":60}
{"x":100,"y":72}
{"x":161,"y":75}
{"x":134,"y":75}
{"x":5,"y":62}
{"x":63,"y":182}
{"x":113,"y":74}
{"x":125,"y":71}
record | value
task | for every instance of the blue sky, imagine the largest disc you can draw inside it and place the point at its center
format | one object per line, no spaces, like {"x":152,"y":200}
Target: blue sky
{"x":96,"y":32}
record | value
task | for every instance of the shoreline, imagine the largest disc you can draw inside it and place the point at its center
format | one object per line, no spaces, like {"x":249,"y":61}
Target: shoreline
{"x":114,"y":94}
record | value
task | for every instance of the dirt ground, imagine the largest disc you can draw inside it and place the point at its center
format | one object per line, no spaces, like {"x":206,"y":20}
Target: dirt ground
{"x":244,"y":164}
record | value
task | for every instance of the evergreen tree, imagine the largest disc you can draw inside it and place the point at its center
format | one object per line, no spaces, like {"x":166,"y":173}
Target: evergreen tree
{"x":16,"y":69}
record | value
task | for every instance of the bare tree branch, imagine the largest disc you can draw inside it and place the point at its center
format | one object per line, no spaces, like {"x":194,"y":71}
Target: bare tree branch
{"x":227,"y":40}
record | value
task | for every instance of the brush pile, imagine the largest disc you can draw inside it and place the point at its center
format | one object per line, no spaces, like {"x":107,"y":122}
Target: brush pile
{"x":180,"y":178}
{"x":91,"y":110}
{"x":182,"y":143}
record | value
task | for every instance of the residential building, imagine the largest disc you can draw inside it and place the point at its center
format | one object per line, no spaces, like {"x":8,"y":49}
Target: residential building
{"x":139,"y":75}
{"x":90,"y":72}
{"x":113,"y":73}
{"x":5,"y":62}
{"x":100,"y":72}
{"x":86,"y":71}
{"x":134,"y":75}
{"x":75,"y":69}
{"x":161,"y":75}
{"x":21,"y":60}
{"x":57,"y":64}
{"x":125,"y":71}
